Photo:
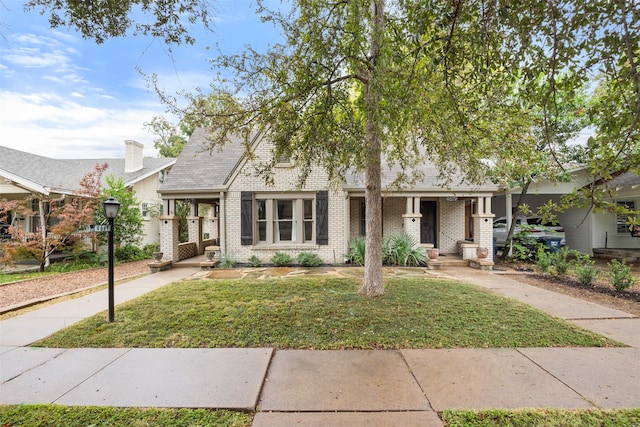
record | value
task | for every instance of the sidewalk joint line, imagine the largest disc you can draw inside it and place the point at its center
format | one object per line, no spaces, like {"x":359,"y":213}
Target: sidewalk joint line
{"x":90,"y":376}
{"x":413,"y":375}
{"x":585,"y":398}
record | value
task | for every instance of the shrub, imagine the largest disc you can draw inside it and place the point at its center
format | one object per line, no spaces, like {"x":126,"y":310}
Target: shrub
{"x":561,"y":260}
{"x":621,"y":276}
{"x":129,"y":253}
{"x":356,"y":255}
{"x":402,"y":250}
{"x":525,"y":247}
{"x":309,"y":259}
{"x":227,"y":261}
{"x":254,"y":261}
{"x":281,"y":259}
{"x":149,"y":249}
{"x":544,"y":260}
{"x":586,"y":271}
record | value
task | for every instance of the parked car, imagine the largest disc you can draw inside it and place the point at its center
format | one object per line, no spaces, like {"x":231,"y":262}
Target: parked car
{"x":543,"y":232}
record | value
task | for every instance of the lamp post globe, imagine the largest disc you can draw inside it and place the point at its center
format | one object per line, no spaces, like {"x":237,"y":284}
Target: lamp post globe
{"x":110,"y":208}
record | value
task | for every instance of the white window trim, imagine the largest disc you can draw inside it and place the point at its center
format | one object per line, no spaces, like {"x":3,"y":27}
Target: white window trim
{"x":298,"y":199}
{"x":626,"y":228}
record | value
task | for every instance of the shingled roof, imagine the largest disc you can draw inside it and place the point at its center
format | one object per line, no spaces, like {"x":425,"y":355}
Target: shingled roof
{"x":46,"y":175}
{"x":200,"y":169}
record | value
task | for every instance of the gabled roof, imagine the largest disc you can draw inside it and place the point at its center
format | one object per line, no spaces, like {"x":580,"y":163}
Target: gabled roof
{"x":45,"y":175}
{"x":199,"y":169}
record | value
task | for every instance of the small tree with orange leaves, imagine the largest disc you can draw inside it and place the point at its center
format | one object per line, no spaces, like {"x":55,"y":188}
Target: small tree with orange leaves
{"x":63,"y":222}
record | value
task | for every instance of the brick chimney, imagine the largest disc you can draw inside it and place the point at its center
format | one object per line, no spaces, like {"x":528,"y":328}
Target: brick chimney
{"x":133,"y":159}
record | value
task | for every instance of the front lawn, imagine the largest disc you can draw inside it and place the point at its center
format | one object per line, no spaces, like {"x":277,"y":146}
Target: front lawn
{"x":71,"y":416}
{"x":323,"y":313}
{"x":543,"y":418}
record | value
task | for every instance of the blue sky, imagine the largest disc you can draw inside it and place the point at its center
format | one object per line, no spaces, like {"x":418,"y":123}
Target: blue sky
{"x":65,"y":97}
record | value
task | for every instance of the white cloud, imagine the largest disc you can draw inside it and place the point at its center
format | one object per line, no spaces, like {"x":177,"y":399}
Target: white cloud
{"x":53,"y":126}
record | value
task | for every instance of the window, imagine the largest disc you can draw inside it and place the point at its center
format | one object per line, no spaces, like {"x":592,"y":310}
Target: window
{"x":308,"y":220}
{"x":284,"y":220}
{"x":294,"y":218}
{"x":284,"y":230}
{"x":621,"y":222}
{"x":144,"y":210}
{"x":262,"y":220}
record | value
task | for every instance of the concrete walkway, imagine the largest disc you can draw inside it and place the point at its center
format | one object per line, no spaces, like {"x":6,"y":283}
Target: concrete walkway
{"x":340,"y":388}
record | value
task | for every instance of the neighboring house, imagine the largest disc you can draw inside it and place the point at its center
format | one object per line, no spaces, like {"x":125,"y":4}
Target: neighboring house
{"x":247,"y":216}
{"x":24,"y":173}
{"x":586,"y":230}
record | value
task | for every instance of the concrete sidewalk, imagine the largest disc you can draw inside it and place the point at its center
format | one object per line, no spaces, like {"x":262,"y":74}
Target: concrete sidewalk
{"x":304,"y":387}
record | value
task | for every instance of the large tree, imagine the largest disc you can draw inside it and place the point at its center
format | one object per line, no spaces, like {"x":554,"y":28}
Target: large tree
{"x":360,"y":83}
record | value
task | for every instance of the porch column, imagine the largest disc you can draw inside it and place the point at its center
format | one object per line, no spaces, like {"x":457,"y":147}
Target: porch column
{"x":412,"y":218}
{"x":347,"y":222}
{"x":222,"y":224}
{"x":483,"y":225}
{"x":195,"y":232}
{"x":169,"y":237}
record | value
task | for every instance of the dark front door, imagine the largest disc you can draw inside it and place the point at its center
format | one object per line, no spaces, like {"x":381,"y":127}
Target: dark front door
{"x":428,"y":222}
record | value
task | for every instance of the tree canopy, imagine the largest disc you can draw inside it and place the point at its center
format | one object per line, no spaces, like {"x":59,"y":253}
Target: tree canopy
{"x":358,"y":83}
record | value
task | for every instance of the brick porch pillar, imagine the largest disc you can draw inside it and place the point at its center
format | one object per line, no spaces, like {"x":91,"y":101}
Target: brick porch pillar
{"x":412,"y":218}
{"x":194,"y":225}
{"x":169,"y":237}
{"x":483,"y":225}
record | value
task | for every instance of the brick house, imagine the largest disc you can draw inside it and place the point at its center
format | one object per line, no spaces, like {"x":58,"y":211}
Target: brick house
{"x":234,"y":207}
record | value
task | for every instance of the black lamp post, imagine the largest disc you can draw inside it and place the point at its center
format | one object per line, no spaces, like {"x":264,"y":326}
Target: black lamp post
{"x":111,"y":207}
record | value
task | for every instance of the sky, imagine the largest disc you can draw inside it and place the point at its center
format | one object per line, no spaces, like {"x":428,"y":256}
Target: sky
{"x":65,"y":97}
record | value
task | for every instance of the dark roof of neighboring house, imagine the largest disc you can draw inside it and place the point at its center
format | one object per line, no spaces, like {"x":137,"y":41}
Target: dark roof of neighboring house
{"x":63,"y":175}
{"x":627,"y":179}
{"x":200,"y":169}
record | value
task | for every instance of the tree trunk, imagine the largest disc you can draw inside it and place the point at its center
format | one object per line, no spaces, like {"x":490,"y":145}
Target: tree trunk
{"x":373,"y":285}
{"x":43,"y":229}
{"x":514,"y":220}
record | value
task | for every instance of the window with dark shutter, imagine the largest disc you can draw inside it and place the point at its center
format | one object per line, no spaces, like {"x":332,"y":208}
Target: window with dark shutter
{"x":322,"y":218}
{"x":246,"y":218}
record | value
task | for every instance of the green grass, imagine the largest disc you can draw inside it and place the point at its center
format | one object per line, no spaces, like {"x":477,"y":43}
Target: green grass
{"x":71,"y":416}
{"x":323,"y":313}
{"x":14,"y":277}
{"x":56,"y":268}
{"x":542,"y":418}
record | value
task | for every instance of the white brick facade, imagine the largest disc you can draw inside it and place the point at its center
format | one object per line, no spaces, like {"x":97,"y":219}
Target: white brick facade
{"x":244,"y":190}
{"x":451,"y":227}
{"x":285,"y":179}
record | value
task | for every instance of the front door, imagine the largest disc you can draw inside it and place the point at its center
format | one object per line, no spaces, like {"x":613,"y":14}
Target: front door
{"x":428,"y":222}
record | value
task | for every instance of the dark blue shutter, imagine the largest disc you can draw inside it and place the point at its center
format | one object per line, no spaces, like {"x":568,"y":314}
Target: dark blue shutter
{"x":246,"y":218}
{"x":322,"y":218}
